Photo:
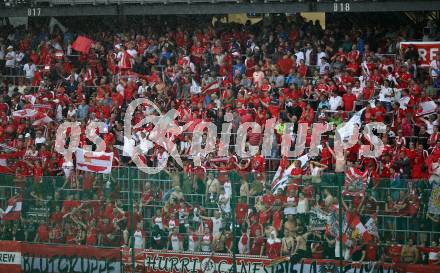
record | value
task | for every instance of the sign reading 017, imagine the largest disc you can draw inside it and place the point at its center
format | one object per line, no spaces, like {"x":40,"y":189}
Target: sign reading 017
{"x":341,"y":7}
{"x":34,"y":12}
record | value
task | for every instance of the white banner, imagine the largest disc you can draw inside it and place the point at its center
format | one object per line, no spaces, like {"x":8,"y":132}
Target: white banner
{"x":10,"y":257}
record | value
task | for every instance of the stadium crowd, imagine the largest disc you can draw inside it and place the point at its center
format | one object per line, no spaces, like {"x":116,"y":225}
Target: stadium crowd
{"x":289,"y":69}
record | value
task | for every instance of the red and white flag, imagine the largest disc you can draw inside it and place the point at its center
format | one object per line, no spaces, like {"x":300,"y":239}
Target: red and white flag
{"x":211,"y":88}
{"x":359,"y":228}
{"x":355,"y":182}
{"x":281,"y":177}
{"x":125,"y":61}
{"x":97,"y":162}
{"x":13,"y":211}
{"x":25,"y":113}
{"x":41,"y":119}
{"x":371,"y":226}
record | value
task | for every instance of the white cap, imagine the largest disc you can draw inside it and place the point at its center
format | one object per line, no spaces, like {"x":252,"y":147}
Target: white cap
{"x":10,"y":47}
{"x":27,"y":135}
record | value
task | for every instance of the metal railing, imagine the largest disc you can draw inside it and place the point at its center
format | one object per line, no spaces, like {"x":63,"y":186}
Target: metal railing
{"x":128,"y":187}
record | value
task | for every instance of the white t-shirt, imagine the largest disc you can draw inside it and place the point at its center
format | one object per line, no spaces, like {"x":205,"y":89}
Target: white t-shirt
{"x":319,"y":56}
{"x":192,"y":241}
{"x":158,"y":221}
{"x":71,"y":113}
{"x":175,"y":242}
{"x":133,"y":53}
{"x":29,"y":70}
{"x":357,"y":91}
{"x":39,"y":140}
{"x":384,"y":92}
{"x":335,"y":102}
{"x":10,"y":59}
{"x":162,"y":158}
{"x":433,"y":256}
{"x":308,"y":53}
{"x":226,"y":207}
{"x":299,"y":56}
{"x":138,"y":239}
{"x":435,"y":68}
{"x":323,"y":68}
{"x":205,"y":245}
{"x":142,"y":89}
{"x":120,"y":88}
{"x":19,"y":57}
{"x":258,"y":77}
{"x":216,"y":225}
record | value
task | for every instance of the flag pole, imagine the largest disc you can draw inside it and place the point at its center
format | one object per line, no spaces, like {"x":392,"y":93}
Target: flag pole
{"x":340,"y":223}
{"x":130,"y":201}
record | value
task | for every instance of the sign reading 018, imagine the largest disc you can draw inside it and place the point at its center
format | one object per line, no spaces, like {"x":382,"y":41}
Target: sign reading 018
{"x":341,"y":7}
{"x":33,"y":12}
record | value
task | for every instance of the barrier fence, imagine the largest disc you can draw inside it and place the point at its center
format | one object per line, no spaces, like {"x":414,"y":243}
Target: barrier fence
{"x":73,"y":212}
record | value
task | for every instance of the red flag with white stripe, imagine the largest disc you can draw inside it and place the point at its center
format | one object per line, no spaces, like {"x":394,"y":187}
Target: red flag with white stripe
{"x":13,"y":211}
{"x":25,"y":113}
{"x":211,"y":88}
{"x":97,"y":162}
{"x":125,"y":62}
{"x":41,"y":119}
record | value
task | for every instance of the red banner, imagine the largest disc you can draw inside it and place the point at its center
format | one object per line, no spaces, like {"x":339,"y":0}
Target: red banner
{"x":427,"y":50}
{"x":10,"y":257}
{"x":156,"y":261}
{"x":161,"y":261}
{"x":70,"y":258}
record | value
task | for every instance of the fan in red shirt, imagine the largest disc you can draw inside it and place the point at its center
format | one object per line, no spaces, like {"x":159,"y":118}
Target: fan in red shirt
{"x":371,"y":250}
{"x":285,"y":64}
{"x":295,"y":172}
{"x":258,"y":166}
{"x":42,"y":233}
{"x":273,"y":246}
{"x":241,"y":210}
{"x":257,"y":244}
{"x":349,"y":100}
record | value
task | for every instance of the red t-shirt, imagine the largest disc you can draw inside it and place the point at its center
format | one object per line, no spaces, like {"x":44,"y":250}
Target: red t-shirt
{"x":241,"y":210}
{"x":348,"y":100}
{"x":257,"y":245}
{"x":393,"y":252}
{"x":273,"y":250}
{"x":43,"y":233}
{"x":92,"y":236}
{"x":258,"y":164}
{"x":370,"y":252}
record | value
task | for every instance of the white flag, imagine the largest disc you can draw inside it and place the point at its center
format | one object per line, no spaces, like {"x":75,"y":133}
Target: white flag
{"x":53,"y":23}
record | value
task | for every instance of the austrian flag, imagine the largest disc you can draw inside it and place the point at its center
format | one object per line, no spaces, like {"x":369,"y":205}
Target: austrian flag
{"x":13,"y":211}
{"x":25,"y":113}
{"x":97,"y":162}
{"x":211,"y":88}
